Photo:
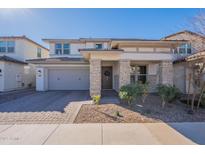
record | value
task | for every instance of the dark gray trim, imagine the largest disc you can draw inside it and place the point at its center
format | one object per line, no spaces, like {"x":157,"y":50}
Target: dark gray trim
{"x":9,"y":59}
{"x":93,"y":49}
{"x":58,"y":60}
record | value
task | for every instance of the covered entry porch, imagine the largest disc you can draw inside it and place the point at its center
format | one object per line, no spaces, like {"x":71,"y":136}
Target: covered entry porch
{"x":113,"y":74}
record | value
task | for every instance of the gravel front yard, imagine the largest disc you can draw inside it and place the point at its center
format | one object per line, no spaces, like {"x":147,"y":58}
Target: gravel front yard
{"x":150,"y":111}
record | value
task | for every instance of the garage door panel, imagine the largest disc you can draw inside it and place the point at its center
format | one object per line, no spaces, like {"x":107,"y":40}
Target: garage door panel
{"x":68,"y":79}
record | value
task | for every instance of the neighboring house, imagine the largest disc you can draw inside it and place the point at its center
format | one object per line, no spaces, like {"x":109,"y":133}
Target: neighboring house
{"x":195,"y":43}
{"x":15,"y":73}
{"x":98,"y":64}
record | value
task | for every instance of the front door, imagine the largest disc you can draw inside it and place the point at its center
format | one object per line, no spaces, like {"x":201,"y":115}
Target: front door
{"x":107,"y":77}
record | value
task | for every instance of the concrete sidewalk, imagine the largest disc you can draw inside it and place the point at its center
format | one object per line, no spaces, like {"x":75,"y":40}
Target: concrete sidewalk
{"x":138,"y":133}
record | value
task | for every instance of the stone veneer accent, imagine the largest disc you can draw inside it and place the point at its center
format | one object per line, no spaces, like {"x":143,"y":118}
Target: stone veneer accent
{"x":124,"y":72}
{"x":95,"y":77}
{"x":152,"y":80}
{"x":166,"y":72}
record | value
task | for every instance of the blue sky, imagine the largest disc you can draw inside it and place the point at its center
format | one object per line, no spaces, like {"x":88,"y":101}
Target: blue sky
{"x":75,"y":23}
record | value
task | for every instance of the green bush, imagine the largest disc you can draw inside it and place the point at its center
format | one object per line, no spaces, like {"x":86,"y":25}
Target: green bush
{"x":131,"y":92}
{"x":96,"y":99}
{"x":128,"y":93}
{"x":168,"y":93}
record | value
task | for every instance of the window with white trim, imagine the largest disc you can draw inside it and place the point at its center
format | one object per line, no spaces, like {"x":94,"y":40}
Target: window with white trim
{"x":66,"y":48}
{"x":39,"y":52}
{"x":7,"y":46}
{"x":58,"y":48}
{"x":183,"y":49}
{"x":10,"y":46}
{"x":62,"y":48}
{"x":3,"y":46}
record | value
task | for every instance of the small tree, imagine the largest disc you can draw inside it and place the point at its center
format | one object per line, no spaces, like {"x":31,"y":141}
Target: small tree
{"x":196,"y":62}
{"x":168,"y":93}
{"x":197,"y":67}
{"x":144,"y":91}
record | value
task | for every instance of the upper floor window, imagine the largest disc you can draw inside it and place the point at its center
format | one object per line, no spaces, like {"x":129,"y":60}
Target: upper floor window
{"x":183,"y":49}
{"x":58,"y":48}
{"x":3,"y":46}
{"x":39,"y":52}
{"x":98,"y":46}
{"x":7,"y":46}
{"x":62,"y":48}
{"x":10,"y":46}
{"x":66,"y":48}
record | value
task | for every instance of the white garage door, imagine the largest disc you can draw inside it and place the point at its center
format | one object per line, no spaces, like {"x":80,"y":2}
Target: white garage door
{"x":75,"y":78}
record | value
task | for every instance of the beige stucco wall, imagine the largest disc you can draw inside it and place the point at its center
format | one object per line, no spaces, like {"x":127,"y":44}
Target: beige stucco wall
{"x":112,"y":56}
{"x":30,"y":51}
{"x":147,"y":49}
{"x":15,"y":76}
{"x":11,"y":71}
{"x":147,"y":56}
{"x":24,"y":50}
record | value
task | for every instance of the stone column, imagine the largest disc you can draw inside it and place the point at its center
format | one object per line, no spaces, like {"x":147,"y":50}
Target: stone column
{"x":124,"y":72}
{"x":166,"y":72}
{"x":95,"y":77}
{"x":152,"y":80}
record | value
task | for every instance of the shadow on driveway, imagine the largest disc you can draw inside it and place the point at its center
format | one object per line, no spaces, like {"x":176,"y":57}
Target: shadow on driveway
{"x":195,"y":131}
{"x":43,"y":101}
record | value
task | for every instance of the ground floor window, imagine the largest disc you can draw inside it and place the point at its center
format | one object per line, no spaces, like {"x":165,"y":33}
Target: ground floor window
{"x":138,"y":74}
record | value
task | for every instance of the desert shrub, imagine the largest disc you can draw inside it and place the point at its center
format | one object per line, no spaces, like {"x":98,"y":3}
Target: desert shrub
{"x":128,"y":93}
{"x":143,"y":90}
{"x":168,"y":93}
{"x":96,"y":99}
{"x":131,"y":92}
{"x":117,"y":114}
{"x":138,"y":86}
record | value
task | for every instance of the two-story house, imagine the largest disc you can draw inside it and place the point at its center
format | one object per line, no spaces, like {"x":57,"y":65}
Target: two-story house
{"x":97,"y":64}
{"x":195,"y":44}
{"x":15,"y":72}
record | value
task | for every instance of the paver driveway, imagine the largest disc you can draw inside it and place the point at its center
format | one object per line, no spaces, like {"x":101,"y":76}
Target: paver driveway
{"x":52,"y":107}
{"x":43,"y":101}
